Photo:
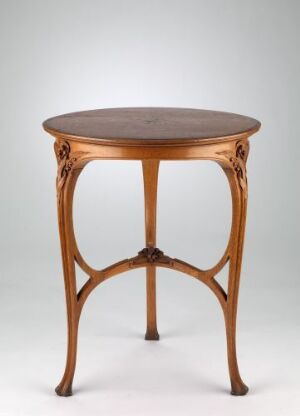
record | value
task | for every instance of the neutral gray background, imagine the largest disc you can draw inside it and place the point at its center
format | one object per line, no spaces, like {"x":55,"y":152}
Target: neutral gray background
{"x":232,"y":55}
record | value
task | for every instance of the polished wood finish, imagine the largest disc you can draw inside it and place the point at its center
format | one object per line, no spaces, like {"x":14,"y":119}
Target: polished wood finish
{"x":151,"y":135}
{"x":150,"y":125}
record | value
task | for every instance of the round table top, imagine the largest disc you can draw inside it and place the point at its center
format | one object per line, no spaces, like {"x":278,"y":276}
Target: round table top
{"x":152,"y":125}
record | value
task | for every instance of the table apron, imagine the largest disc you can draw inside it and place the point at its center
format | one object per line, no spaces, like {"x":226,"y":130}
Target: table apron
{"x":207,"y":151}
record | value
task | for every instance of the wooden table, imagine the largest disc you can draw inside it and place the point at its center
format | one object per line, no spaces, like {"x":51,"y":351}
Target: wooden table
{"x":151,"y":135}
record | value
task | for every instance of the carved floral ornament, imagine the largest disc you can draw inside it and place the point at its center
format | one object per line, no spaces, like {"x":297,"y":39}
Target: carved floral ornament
{"x":151,"y":255}
{"x":66,"y":161}
{"x":238,"y":161}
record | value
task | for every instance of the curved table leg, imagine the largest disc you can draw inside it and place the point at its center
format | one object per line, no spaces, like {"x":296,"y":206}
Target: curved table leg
{"x":236,"y":174}
{"x":66,"y":180}
{"x":150,"y":175}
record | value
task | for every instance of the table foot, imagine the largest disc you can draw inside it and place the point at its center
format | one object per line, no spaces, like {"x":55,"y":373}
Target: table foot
{"x":151,"y":336}
{"x":239,"y":389}
{"x":64,"y":390}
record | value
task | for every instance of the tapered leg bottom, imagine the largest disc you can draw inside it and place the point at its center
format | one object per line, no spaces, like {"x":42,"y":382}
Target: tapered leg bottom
{"x":239,"y":389}
{"x":151,"y":332}
{"x":152,"y":336}
{"x":64,"y":390}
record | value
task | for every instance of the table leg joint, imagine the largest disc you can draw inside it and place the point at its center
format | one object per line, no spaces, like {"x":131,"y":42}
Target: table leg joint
{"x":151,"y":255}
